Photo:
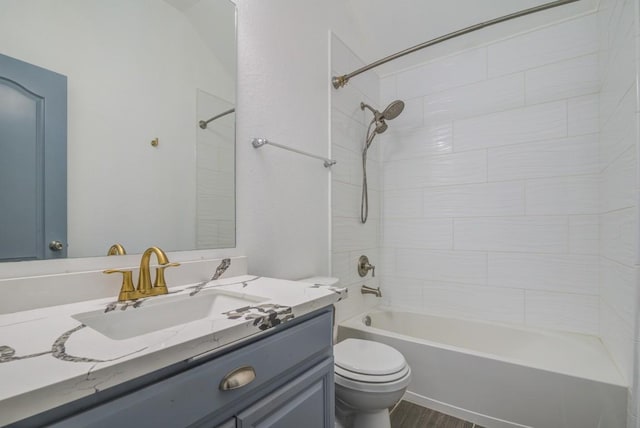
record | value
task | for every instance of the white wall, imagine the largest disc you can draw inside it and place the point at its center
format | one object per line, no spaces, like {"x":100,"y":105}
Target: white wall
{"x":130,"y":80}
{"x":282,"y":197}
{"x":618,"y":32}
{"x":491,"y":182}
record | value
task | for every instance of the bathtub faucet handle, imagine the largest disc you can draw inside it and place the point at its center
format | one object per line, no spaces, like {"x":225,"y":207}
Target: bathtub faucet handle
{"x":364,"y":267}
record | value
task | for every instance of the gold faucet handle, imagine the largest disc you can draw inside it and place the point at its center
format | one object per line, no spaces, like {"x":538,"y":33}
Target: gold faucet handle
{"x":160,"y":284}
{"x":116,"y":250}
{"x":127,"y":290}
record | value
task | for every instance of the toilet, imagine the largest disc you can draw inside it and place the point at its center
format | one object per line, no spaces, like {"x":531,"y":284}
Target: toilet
{"x":370,"y":377}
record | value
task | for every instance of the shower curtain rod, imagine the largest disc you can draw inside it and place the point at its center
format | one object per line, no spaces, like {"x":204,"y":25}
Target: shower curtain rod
{"x":203,"y":123}
{"x":341,"y":81}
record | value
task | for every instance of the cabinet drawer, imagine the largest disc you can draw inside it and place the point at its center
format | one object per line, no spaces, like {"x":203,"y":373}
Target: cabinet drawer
{"x":188,"y":397}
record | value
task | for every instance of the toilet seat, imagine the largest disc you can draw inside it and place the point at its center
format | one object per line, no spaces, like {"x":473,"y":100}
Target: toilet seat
{"x":368,"y":362}
{"x":373,"y":387}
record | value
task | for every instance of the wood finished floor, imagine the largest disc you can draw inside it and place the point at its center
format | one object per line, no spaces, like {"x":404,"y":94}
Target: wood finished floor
{"x":409,"y":415}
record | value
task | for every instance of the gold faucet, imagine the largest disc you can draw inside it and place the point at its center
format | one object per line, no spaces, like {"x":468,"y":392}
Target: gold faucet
{"x":144,"y":288}
{"x":144,"y":278}
{"x":116,"y":250}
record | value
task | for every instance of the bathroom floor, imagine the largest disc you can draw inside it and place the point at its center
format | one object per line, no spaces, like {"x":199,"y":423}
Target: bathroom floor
{"x":409,"y":415}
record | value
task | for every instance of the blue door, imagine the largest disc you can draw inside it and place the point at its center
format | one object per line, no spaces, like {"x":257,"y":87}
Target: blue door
{"x":33,"y":162}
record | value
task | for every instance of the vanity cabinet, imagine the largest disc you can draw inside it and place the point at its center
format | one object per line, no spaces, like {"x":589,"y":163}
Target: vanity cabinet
{"x":300,"y":403}
{"x":293,"y":387}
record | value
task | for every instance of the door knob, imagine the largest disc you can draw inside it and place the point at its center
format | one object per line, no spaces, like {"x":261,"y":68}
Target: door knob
{"x":56,"y":246}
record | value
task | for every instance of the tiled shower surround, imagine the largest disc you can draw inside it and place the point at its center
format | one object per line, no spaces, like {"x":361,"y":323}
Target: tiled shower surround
{"x":351,"y":238}
{"x":508,"y":187}
{"x":490,"y":202}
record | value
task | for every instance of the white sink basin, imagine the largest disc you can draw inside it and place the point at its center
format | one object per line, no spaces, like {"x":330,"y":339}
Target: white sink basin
{"x":157,"y":313}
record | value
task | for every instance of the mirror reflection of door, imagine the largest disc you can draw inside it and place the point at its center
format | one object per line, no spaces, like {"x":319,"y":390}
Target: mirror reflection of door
{"x":33,"y":162}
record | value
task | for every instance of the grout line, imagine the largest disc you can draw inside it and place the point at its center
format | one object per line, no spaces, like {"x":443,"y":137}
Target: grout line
{"x":487,"y":164}
{"x":486,"y":60}
{"x":566,"y":111}
{"x":524,"y":87}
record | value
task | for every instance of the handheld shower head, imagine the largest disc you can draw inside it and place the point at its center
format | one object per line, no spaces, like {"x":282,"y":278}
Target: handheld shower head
{"x":376,"y":126}
{"x":381,"y":126}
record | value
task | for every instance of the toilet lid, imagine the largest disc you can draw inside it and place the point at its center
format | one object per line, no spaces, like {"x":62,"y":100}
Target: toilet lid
{"x":342,"y":377}
{"x":368,"y":357}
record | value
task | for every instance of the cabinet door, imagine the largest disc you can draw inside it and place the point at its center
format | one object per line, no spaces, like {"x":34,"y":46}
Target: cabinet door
{"x":306,"y":401}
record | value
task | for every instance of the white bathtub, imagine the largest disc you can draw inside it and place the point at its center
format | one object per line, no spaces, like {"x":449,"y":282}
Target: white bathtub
{"x":501,"y":376}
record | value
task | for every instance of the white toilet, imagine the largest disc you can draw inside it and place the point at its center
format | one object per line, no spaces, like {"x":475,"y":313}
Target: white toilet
{"x":370,"y":377}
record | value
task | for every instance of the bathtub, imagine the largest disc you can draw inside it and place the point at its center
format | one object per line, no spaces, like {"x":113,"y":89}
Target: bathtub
{"x":500,"y":376}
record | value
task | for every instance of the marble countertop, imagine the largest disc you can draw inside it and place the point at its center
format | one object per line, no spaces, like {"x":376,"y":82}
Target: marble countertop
{"x":48,"y":358}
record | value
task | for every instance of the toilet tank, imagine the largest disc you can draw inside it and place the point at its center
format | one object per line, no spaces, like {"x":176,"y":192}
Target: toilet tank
{"x":321,"y":280}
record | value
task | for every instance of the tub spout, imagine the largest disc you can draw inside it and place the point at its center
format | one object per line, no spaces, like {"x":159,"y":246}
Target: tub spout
{"x":370,"y":290}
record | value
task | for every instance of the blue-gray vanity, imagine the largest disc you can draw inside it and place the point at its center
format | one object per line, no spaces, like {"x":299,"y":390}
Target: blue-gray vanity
{"x":268,"y":363}
{"x":293,"y":387}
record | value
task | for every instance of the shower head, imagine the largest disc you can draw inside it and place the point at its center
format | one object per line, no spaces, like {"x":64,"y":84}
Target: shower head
{"x":392,"y":111}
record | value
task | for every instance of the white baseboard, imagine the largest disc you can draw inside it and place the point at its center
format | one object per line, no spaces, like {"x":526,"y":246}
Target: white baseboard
{"x":467,"y":415}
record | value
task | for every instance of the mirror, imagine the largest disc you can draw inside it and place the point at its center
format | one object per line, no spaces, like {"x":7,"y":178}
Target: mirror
{"x":141,"y":75}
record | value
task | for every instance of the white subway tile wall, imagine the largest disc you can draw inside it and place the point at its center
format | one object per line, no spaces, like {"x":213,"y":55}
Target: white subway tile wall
{"x":351,"y":238}
{"x":468,"y":267}
{"x":475,"y":200}
{"x":532,"y":123}
{"x":468,"y":301}
{"x":490,"y":200}
{"x":563,"y":195}
{"x":555,"y":158}
{"x":569,"y":273}
{"x":467,"y":67}
{"x":479,"y":98}
{"x":618,"y":220}
{"x":562,"y":80}
{"x":583,"y":115}
{"x":564,"y":311}
{"x":442,"y":170}
{"x":546,"y":46}
{"x":584,"y":234}
{"x":529,"y":234}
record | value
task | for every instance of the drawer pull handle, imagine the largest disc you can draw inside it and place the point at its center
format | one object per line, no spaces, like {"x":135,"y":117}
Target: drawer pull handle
{"x":238,"y":378}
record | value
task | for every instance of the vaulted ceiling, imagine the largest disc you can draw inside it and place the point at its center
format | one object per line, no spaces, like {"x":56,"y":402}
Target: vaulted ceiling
{"x":215,"y":21}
